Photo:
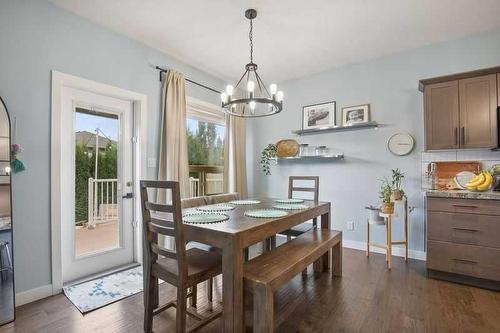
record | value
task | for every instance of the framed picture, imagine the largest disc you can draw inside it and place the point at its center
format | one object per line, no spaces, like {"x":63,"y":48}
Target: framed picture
{"x":355,"y":114}
{"x":318,"y":115}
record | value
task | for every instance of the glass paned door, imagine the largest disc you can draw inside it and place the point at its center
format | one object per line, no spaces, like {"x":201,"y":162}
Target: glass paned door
{"x":97,"y":206}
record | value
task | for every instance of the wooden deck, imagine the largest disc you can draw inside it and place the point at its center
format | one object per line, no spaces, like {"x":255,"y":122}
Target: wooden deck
{"x":103,"y":237}
{"x":368,"y":298}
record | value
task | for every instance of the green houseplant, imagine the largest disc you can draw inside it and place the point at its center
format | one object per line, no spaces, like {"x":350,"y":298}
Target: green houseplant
{"x":385,"y":194}
{"x":268,"y":154}
{"x":397,"y":178}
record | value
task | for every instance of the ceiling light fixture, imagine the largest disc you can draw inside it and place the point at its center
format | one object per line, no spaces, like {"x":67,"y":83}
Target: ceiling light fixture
{"x":259,"y":101}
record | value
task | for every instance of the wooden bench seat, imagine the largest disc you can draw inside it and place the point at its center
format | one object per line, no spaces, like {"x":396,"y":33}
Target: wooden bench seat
{"x":268,"y":272}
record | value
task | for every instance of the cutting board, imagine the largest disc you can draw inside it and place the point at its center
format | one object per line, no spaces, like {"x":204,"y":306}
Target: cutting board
{"x":446,"y":171}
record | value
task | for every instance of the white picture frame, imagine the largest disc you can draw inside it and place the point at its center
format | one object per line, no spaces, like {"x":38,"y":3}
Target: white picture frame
{"x":319,"y":115}
{"x":356,"y":114}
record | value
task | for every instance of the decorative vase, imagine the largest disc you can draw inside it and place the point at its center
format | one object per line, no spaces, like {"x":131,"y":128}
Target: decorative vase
{"x":387,"y":207}
{"x":397,"y":195}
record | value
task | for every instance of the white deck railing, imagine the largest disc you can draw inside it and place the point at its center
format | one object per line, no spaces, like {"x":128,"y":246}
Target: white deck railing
{"x":102,"y":201}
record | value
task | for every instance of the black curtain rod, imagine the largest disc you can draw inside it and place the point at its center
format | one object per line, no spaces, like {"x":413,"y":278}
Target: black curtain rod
{"x":163,"y":70}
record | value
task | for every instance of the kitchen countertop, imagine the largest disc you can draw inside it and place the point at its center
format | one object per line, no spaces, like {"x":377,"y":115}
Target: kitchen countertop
{"x":463,"y":194}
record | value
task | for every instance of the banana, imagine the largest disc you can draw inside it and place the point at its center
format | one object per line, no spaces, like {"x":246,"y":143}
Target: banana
{"x":476,"y":181}
{"x":487,"y":183}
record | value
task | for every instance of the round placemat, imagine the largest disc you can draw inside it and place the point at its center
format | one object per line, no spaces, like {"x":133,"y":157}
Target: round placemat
{"x":265,"y":213}
{"x":215,"y":208}
{"x":289,"y":201}
{"x":290,"y":206}
{"x":244,"y":202}
{"x":204,"y":218}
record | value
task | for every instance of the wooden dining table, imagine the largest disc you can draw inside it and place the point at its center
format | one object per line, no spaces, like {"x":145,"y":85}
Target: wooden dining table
{"x":240,"y":232}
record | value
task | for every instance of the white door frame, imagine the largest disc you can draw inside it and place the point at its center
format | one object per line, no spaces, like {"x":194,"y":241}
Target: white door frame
{"x":59,"y":81}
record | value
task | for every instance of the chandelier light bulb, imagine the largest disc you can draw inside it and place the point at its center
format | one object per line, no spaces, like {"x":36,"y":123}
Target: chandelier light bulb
{"x":223,"y":97}
{"x":7,"y":169}
{"x":252,"y":105}
{"x":273,"y":88}
{"x":229,"y":90}
{"x":279,"y":96}
{"x":250,"y":86}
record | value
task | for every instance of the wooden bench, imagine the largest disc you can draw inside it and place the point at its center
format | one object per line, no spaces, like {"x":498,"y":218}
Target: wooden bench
{"x":270,"y":271}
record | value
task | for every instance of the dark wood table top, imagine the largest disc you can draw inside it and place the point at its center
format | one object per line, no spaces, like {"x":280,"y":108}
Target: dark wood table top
{"x":252,"y":229}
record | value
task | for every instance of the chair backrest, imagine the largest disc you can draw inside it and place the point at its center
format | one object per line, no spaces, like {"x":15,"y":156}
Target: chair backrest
{"x":170,"y":224}
{"x":193,"y":202}
{"x":293,"y":188}
{"x":224,"y":197}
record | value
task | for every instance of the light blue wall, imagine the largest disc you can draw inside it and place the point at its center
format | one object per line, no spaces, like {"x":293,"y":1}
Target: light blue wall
{"x":389,"y":84}
{"x":35,"y":38}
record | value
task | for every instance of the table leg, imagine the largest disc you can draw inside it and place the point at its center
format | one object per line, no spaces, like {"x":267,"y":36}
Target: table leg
{"x":232,"y":273}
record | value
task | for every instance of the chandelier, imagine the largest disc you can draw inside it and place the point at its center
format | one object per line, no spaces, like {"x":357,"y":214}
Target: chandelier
{"x":258,"y":100}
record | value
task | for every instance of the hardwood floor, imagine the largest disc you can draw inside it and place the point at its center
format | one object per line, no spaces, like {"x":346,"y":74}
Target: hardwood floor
{"x":367,"y":298}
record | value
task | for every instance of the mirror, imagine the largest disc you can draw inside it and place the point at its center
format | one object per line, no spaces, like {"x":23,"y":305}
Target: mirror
{"x":7,"y":306}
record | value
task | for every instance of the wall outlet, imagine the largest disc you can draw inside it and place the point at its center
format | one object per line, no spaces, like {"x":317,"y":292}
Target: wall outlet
{"x":350,"y":225}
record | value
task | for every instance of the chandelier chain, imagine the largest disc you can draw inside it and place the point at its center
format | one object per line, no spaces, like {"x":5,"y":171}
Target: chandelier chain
{"x":250,"y":37}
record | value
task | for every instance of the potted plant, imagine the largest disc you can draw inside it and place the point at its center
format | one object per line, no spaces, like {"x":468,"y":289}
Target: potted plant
{"x":386,"y":194}
{"x":397,"y":178}
{"x":268,"y":154}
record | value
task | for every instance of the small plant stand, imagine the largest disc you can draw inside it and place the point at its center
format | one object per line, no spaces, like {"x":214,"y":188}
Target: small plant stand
{"x":387,"y":219}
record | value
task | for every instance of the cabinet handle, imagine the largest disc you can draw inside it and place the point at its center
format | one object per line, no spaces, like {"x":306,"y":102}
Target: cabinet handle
{"x":463,"y":135}
{"x":465,"y":229}
{"x":465,"y":261}
{"x":465,"y":206}
{"x":456,"y":137}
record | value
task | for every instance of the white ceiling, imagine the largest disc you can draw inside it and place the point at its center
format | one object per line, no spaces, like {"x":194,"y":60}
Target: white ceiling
{"x":292,"y":38}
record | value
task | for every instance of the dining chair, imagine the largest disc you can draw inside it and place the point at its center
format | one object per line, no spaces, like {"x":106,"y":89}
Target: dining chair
{"x":221,"y":198}
{"x":182,"y":268}
{"x":5,"y":252}
{"x":292,"y":190}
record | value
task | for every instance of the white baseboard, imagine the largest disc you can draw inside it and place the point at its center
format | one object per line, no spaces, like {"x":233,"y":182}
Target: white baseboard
{"x":34,"y":294}
{"x":397,"y":250}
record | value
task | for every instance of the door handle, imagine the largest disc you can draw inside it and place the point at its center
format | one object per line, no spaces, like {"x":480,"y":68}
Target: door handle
{"x":128,"y":196}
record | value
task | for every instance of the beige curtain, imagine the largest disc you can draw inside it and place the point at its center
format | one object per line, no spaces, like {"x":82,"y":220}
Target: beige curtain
{"x":173,"y":163}
{"x":235,"y":175}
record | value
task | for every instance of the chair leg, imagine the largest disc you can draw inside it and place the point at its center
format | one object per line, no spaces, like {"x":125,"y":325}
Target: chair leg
{"x":337,"y":259}
{"x":194,"y":296}
{"x":273,"y":242}
{"x":247,"y":254}
{"x":368,"y":239}
{"x":148,"y":302}
{"x":263,"y":310}
{"x":210,"y":289}
{"x":181,"y":310}
{"x":304,"y":272}
{"x":288,"y":238}
{"x":156,"y":294}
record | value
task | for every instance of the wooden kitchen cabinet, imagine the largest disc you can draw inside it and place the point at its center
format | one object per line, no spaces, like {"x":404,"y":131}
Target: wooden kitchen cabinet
{"x":461,"y":110}
{"x":441,"y":115}
{"x":463,"y":240}
{"x":478,"y":116}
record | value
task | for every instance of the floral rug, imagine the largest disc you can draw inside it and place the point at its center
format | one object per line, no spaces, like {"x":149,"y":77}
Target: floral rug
{"x":95,"y":294}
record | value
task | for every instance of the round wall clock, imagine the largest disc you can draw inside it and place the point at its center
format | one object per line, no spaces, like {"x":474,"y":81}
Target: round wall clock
{"x":401,"y":144}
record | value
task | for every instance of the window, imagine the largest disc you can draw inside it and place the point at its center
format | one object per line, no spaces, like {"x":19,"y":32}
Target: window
{"x":205,"y":135}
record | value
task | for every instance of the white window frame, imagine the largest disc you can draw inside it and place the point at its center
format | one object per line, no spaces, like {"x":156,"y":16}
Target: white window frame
{"x":204,"y":111}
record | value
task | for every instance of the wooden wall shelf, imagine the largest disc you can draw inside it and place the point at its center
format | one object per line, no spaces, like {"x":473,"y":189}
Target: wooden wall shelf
{"x":371,"y":124}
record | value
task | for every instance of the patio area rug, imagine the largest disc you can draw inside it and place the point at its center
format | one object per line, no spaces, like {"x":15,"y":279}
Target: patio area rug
{"x":94,"y":294}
